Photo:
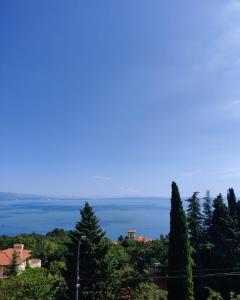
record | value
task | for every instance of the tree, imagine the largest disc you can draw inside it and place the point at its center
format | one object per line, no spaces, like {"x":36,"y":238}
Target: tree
{"x":207,"y":246}
{"x":225,"y":251}
{"x":238,"y":213}
{"x":179,"y":258}
{"x":125,"y":279}
{"x":207,"y":211}
{"x":159,"y":253}
{"x":149,"y":291}
{"x":120,"y":238}
{"x":213,"y":295}
{"x":94,"y":274}
{"x":196,"y":231}
{"x":223,"y":235}
{"x":14,"y":265}
{"x":194,"y":218}
{"x":35,"y":284}
{"x":232,"y":202}
{"x":233,"y":296}
{"x":140,"y":256}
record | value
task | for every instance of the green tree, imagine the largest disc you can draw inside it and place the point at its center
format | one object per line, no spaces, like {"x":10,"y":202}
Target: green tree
{"x":179,"y":259}
{"x":14,"y":264}
{"x":140,"y":255}
{"x":238,"y":213}
{"x":196,"y":231}
{"x":232,"y":202}
{"x":194,"y":218}
{"x":159,"y":253}
{"x":223,"y":235}
{"x":207,"y":245}
{"x":121,"y":270}
{"x":149,"y":291}
{"x":94,"y":270}
{"x":233,"y":296}
{"x":213,"y":295}
{"x":207,"y":211}
{"x":32,"y":284}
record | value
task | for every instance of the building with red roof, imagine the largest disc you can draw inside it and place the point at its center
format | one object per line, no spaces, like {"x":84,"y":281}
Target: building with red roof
{"x":132,"y":236}
{"x":6,"y":259}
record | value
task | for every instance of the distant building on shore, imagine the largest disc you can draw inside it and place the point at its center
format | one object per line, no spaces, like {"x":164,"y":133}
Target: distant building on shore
{"x":132,"y":236}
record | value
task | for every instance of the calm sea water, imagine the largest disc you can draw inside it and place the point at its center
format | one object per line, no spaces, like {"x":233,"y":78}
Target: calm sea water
{"x":149,"y":216}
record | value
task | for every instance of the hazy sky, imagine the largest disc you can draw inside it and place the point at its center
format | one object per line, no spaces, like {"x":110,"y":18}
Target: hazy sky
{"x":119,"y":98}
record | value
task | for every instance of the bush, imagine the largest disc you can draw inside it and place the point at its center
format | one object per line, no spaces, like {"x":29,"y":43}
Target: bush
{"x":149,"y":291}
{"x":32,"y":284}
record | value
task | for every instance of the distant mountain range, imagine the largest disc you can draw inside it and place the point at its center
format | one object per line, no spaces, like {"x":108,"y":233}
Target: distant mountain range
{"x":14,"y":196}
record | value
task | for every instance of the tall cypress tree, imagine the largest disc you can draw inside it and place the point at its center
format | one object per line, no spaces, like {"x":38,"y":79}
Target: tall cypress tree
{"x":232,"y":202}
{"x":94,"y":276}
{"x":179,"y":259}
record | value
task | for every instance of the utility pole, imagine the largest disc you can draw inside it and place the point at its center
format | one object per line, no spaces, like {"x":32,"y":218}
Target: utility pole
{"x":78,"y":260}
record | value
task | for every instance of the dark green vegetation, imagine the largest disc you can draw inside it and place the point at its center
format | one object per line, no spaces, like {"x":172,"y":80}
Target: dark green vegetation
{"x":179,"y":259}
{"x":200,"y":259}
{"x":94,"y":266}
{"x":34,"y":284}
{"x":107,"y":270}
{"x":44,"y":283}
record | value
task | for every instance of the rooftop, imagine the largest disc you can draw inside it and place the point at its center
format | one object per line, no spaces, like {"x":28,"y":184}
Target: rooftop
{"x":6,"y":255}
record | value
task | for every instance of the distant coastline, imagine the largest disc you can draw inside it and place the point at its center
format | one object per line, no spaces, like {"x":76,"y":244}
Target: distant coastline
{"x":20,"y":213}
{"x":26,"y":196}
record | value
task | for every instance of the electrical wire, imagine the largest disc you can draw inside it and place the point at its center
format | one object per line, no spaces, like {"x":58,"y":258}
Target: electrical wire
{"x":179,"y":276}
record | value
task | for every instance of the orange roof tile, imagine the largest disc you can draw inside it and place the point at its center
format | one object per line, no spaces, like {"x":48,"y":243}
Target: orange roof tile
{"x":7,"y":254}
{"x":142,"y":239}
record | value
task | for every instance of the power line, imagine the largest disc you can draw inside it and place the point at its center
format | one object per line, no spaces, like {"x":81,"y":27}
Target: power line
{"x":180,"y":276}
{"x":204,"y":270}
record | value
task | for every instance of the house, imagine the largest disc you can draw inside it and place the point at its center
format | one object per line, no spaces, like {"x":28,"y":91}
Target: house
{"x":6,"y":258}
{"x":132,"y":236}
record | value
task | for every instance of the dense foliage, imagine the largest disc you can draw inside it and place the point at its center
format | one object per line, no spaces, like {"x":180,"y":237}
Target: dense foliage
{"x":93,"y":265}
{"x":32,"y":284}
{"x":179,"y":259}
{"x":209,"y":260}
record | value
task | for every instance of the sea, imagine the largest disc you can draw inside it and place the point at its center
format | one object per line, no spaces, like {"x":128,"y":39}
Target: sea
{"x":148,"y":216}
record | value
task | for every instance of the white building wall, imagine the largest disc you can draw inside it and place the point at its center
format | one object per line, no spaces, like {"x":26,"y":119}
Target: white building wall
{"x":22,"y":266}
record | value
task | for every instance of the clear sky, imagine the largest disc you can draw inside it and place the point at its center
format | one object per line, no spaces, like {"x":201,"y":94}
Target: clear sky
{"x":119,"y":98}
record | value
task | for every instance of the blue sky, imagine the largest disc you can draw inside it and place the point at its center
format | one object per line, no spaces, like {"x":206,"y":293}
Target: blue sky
{"x":119,"y":98}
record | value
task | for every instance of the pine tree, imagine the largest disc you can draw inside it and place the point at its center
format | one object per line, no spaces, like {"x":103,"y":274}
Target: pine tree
{"x":94,"y":276}
{"x":194,"y":218}
{"x":206,"y":243}
{"x":179,"y":259}
{"x":207,"y":211}
{"x":224,"y":253}
{"x":238,"y":214}
{"x":232,"y":202}
{"x":223,"y":235}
